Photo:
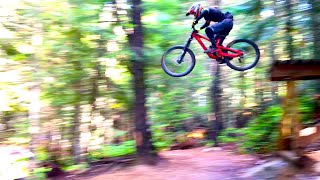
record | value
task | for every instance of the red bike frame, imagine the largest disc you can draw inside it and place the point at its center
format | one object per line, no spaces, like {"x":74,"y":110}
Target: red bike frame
{"x":220,"y":50}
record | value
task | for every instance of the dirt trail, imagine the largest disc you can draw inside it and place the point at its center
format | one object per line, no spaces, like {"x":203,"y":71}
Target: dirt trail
{"x":192,"y":164}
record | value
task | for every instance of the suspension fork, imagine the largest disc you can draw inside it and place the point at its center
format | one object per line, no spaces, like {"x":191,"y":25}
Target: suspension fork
{"x":186,"y":46}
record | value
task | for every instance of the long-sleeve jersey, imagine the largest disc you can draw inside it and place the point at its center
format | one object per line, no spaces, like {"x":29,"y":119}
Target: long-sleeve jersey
{"x":213,"y":14}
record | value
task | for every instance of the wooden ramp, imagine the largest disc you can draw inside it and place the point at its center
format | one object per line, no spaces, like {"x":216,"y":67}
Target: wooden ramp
{"x":292,"y":136}
{"x":295,"y":70}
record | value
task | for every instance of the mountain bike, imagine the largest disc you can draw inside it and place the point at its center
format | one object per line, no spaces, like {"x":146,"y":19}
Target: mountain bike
{"x":240,"y":55}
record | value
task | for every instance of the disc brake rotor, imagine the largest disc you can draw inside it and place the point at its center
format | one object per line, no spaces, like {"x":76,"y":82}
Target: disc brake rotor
{"x":241,"y":58}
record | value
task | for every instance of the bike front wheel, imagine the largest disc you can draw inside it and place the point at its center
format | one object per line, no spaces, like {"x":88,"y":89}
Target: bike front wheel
{"x":178,"y":61}
{"x":248,"y":60}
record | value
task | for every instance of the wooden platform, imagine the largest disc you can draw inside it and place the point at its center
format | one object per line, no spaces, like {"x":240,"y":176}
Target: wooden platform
{"x":292,"y":136}
{"x":295,"y":70}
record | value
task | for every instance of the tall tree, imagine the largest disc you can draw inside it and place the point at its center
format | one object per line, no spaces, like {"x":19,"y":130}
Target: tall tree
{"x":315,"y":28}
{"x":289,"y":28}
{"x":145,"y":150}
{"x":216,"y":123}
{"x":274,"y":57}
{"x":35,"y":90}
{"x":77,"y":87}
{"x":315,"y":25}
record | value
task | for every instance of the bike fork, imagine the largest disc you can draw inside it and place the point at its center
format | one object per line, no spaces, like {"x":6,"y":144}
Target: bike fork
{"x":186,"y":46}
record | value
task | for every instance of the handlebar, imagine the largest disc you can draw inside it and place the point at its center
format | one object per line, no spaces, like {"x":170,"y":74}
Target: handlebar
{"x":194,"y":30}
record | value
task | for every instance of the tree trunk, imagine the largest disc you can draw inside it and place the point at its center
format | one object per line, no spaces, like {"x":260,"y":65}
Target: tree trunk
{"x":35,"y":90}
{"x":214,"y":2}
{"x":315,"y":25}
{"x":274,"y":56}
{"x":243,"y":97}
{"x":95,"y":80}
{"x":289,"y":29}
{"x":34,"y":116}
{"x":145,"y":150}
{"x":76,"y":146}
{"x":274,"y":85}
{"x":75,"y":130}
{"x":259,"y":93}
{"x":258,"y":6}
{"x":215,"y":123}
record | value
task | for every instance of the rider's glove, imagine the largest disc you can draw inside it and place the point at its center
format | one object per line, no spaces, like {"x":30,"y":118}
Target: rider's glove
{"x":194,"y":23}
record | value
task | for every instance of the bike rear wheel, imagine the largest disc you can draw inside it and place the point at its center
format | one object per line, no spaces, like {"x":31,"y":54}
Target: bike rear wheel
{"x":174,"y":65}
{"x":248,"y":60}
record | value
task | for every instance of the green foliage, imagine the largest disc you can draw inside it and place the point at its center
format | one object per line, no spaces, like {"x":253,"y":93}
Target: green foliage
{"x":42,"y":154}
{"x":306,"y":108}
{"x":9,"y":49}
{"x":75,"y":167}
{"x":170,"y":110}
{"x":246,"y":7}
{"x":39,"y":173}
{"x":208,"y":143}
{"x":70,"y":55}
{"x":260,"y":135}
{"x":107,"y":151}
{"x":230,"y":135}
{"x":162,"y":138}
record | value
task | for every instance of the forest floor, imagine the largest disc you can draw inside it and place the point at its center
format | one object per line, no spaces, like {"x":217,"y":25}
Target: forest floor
{"x":191,"y":164}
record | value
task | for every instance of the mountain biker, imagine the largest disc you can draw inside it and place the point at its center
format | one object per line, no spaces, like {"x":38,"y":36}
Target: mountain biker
{"x":222,"y":27}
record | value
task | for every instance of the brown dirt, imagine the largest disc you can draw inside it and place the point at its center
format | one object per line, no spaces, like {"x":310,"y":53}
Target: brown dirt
{"x":191,"y":164}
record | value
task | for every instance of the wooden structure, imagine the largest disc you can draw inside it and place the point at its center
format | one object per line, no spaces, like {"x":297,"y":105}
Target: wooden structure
{"x":292,"y":135}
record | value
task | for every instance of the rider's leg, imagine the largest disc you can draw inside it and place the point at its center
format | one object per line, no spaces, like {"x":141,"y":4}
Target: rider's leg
{"x":212,"y":36}
{"x":226,"y":25}
{"x":221,"y":37}
{"x":212,"y":32}
{"x":221,"y":28}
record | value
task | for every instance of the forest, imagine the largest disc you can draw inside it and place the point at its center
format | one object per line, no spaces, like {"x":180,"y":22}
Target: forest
{"x":81,"y":81}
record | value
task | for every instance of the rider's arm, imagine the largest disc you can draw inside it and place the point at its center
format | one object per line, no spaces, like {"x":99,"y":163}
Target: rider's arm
{"x":203,"y":13}
{"x":205,"y":25}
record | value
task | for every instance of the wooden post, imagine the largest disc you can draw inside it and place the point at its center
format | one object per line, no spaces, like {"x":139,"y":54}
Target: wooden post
{"x":290,"y":122}
{"x":291,"y":135}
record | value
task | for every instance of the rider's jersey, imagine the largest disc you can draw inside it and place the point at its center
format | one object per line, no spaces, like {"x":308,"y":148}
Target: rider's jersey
{"x":213,"y":14}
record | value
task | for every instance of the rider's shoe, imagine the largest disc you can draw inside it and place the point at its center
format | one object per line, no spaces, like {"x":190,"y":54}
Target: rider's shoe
{"x":211,"y":50}
{"x":214,"y":52}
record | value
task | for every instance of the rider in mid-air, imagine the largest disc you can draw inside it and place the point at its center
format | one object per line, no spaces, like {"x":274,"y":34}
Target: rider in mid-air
{"x":222,"y":27}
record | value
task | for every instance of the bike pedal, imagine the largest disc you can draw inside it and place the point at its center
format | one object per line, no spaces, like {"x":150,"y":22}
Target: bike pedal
{"x":221,"y":61}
